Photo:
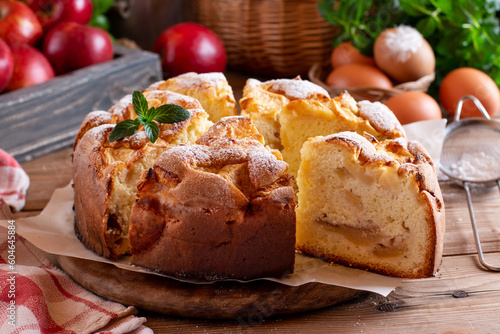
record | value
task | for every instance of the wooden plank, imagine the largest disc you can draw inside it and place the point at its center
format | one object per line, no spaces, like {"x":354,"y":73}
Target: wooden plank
{"x":424,"y":306}
{"x":43,"y":118}
{"x":225,"y":300}
{"x":459,"y":238}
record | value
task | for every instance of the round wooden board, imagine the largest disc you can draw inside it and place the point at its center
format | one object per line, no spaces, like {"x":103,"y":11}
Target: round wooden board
{"x":219,"y":300}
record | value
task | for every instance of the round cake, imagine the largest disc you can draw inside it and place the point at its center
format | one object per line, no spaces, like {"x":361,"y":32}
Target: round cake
{"x":217,"y":200}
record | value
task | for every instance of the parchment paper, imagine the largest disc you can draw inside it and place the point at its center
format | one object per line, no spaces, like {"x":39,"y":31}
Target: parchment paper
{"x":52,"y":231}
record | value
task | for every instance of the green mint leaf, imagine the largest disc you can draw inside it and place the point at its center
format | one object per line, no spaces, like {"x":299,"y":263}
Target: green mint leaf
{"x":124,"y":129}
{"x":152,"y":131}
{"x":171,"y":113}
{"x":168,"y":114}
{"x":150,"y":115}
{"x":140,"y":103}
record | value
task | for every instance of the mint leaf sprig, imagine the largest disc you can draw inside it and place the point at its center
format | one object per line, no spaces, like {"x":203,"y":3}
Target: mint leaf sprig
{"x":166,"y":114}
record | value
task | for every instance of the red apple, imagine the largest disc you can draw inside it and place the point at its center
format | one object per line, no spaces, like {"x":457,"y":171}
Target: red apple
{"x":70,"y":46}
{"x":18,"y":23}
{"x":6,"y":64}
{"x":31,"y":67}
{"x":52,"y":12}
{"x":190,"y":47}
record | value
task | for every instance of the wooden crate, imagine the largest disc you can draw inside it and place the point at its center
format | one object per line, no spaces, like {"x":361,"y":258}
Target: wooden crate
{"x":43,"y":118}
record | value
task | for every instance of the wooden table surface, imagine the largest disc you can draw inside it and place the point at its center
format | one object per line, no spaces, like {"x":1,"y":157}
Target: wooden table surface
{"x":462,"y":298}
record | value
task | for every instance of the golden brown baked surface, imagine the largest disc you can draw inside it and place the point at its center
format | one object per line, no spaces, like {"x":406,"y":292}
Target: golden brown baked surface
{"x":371,"y":205}
{"x":289,"y":111}
{"x":124,"y":109}
{"x":215,"y":209}
{"x":211,"y":89}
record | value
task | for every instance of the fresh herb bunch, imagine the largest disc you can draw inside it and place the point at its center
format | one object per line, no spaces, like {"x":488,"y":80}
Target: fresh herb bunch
{"x":148,"y":118}
{"x":462,"y":33}
{"x":360,"y":22}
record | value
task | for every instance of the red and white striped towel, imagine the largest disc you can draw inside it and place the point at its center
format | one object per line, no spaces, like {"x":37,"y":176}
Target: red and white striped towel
{"x":14,"y":181}
{"x":46,"y":300}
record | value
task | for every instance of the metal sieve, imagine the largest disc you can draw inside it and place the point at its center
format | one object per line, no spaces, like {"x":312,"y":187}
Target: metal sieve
{"x":471,"y":155}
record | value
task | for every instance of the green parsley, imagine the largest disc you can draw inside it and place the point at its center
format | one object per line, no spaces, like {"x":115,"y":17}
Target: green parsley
{"x":148,"y":118}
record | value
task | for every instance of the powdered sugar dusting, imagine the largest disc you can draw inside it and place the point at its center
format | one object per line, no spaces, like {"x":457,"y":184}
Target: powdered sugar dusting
{"x":296,"y":89}
{"x":476,"y":166}
{"x":214,"y":79}
{"x":379,"y":115}
{"x":154,"y":86}
{"x":240,"y":145}
{"x":403,"y":42}
{"x":251,"y":83}
{"x":168,"y":97}
{"x":263,"y":167}
{"x":401,"y":142}
{"x":98,"y":134}
{"x":121,"y":105}
{"x":98,"y":117}
{"x":366,"y":146}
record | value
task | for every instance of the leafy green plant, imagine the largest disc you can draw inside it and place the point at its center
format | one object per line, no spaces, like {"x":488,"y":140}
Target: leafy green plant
{"x":462,"y":33}
{"x":99,"y":18}
{"x":148,"y":118}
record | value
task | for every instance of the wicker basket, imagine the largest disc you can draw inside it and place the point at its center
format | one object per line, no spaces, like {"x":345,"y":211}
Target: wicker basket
{"x":279,"y":38}
{"x":319,"y":72}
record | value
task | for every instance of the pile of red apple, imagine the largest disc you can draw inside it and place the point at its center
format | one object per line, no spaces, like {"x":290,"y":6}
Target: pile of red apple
{"x":40,"y":39}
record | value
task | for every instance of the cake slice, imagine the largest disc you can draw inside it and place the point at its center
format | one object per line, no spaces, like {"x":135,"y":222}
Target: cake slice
{"x":370,"y":205}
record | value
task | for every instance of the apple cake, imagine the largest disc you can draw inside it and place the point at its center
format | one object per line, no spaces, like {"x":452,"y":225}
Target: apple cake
{"x":304,"y":119}
{"x":216,"y":201}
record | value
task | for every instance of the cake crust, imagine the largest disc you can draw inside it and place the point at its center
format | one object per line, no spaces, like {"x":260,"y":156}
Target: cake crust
{"x":92,"y":182}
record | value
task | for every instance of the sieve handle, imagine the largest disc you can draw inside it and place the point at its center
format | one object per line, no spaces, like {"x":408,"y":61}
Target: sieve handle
{"x":474,"y":228}
{"x":476,"y":101}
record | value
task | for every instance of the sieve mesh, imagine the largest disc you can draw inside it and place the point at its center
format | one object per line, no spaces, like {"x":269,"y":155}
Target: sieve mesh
{"x":472,"y":153}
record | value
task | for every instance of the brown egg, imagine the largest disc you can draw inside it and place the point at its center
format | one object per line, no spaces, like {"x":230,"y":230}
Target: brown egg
{"x":404,"y":54}
{"x":412,"y":107}
{"x":358,"y":75}
{"x":469,"y":81}
{"x":345,"y":53}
